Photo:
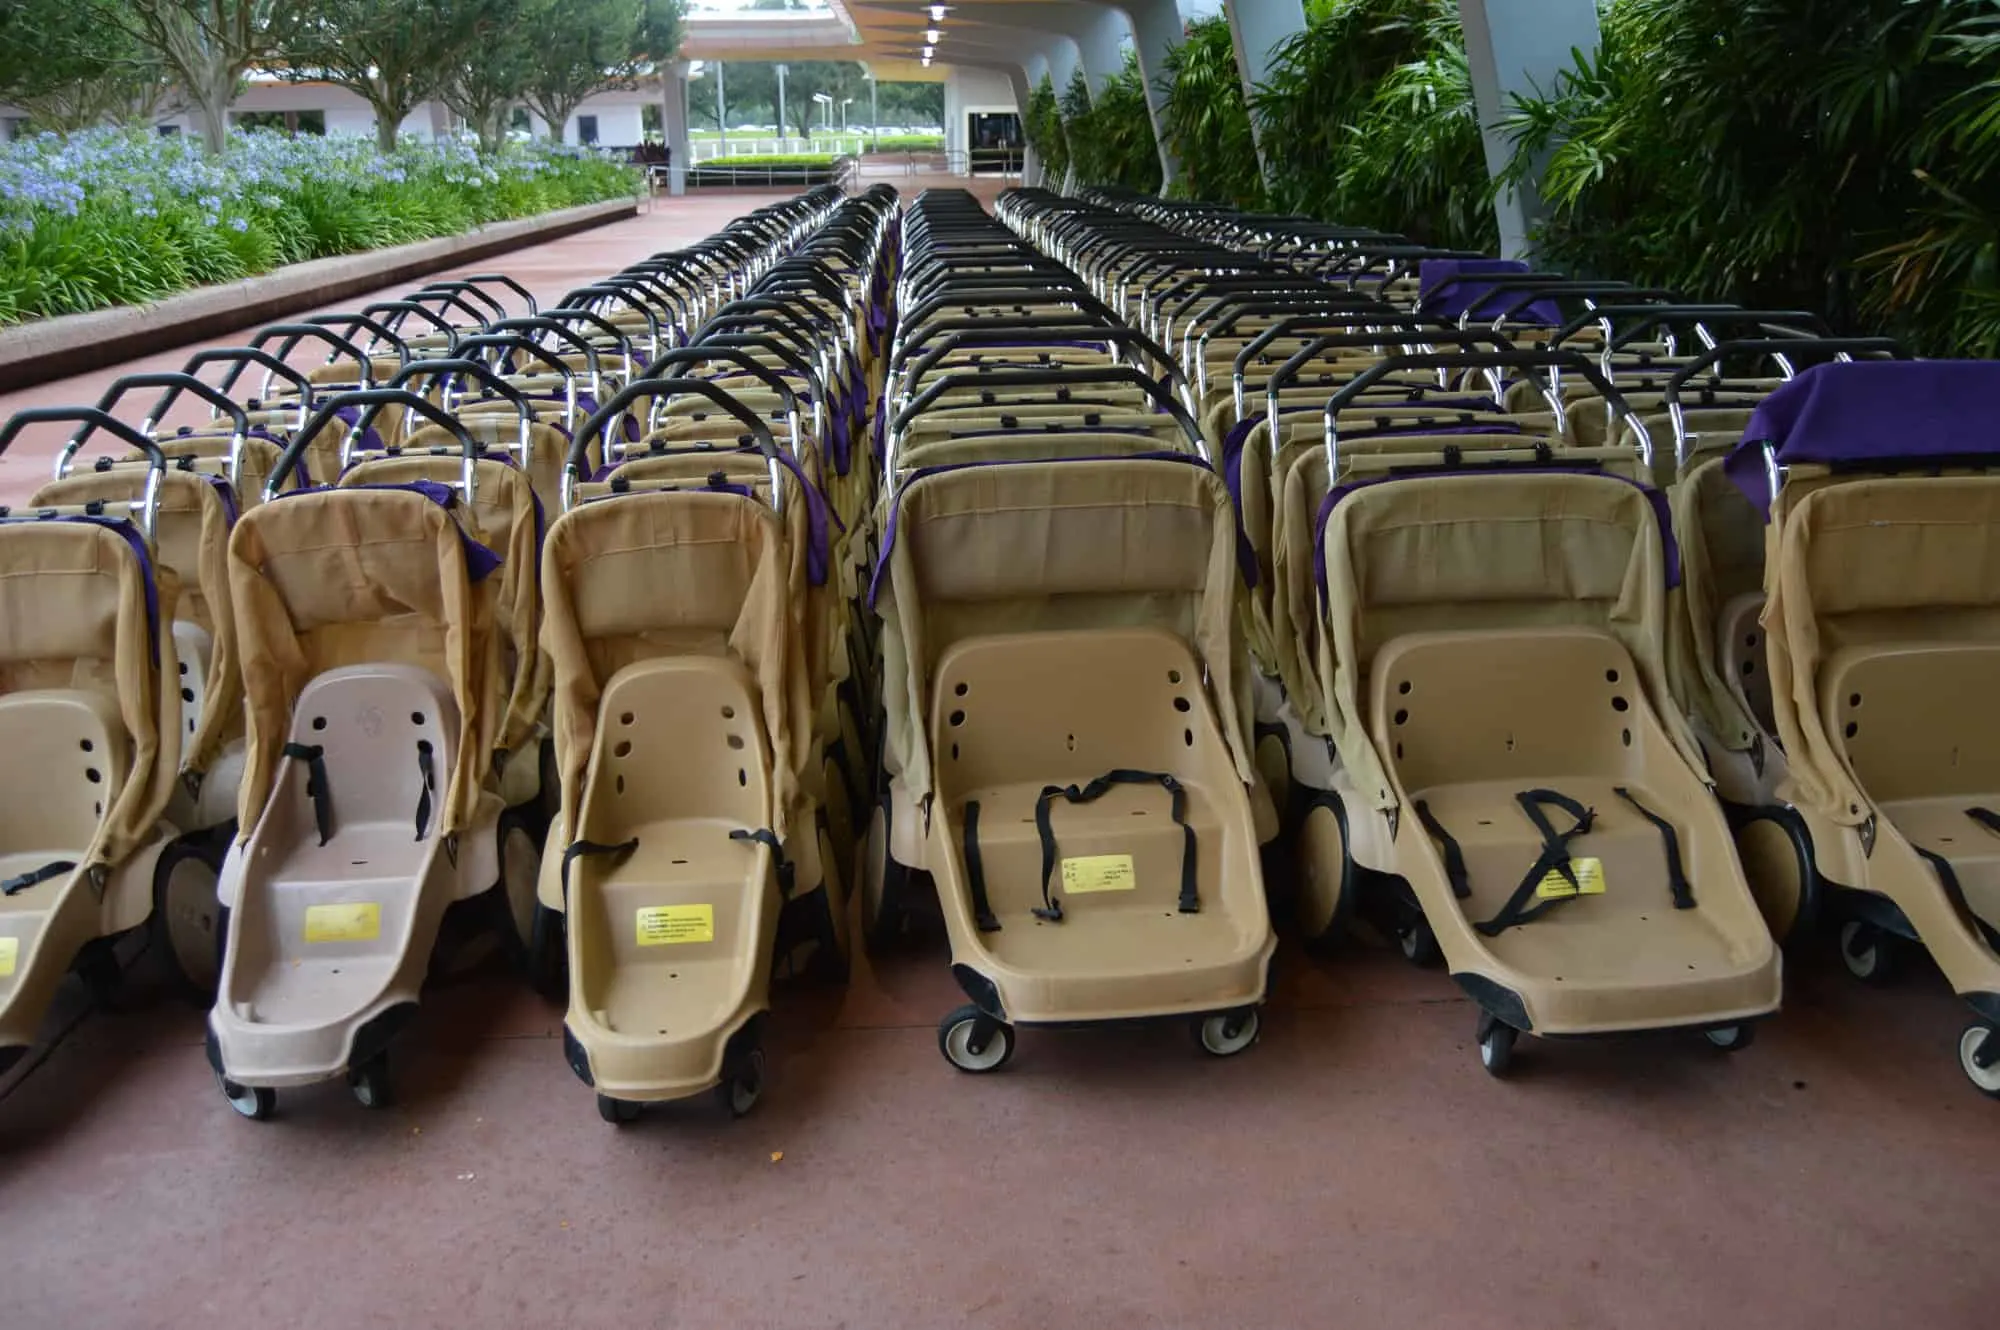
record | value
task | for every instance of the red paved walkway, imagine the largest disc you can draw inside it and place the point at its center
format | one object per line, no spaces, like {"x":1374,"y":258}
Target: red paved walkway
{"x":1357,"y":1169}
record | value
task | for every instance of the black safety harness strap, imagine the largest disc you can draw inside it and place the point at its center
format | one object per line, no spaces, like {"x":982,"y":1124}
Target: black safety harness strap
{"x":36,"y":876}
{"x":577,"y":849}
{"x":1553,"y":858}
{"x":766,"y":837}
{"x":975,"y":872}
{"x":317,"y":788}
{"x":1190,"y":899}
{"x":427,"y":770}
{"x":1454,"y":858}
{"x":1677,"y":882}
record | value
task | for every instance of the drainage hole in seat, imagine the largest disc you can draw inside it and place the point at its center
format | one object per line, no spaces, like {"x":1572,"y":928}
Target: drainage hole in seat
{"x":957,"y":718}
{"x":962,"y":689}
{"x":1854,"y":699}
{"x":86,"y":745}
{"x":1402,"y":717}
{"x":1173,"y":676}
{"x":742,"y":777}
{"x":1620,"y":704}
{"x":619,"y":785}
{"x":625,"y":718}
{"x":681,"y":861}
{"x":622,"y":748}
{"x":1852,"y":729}
{"x":416,"y":718}
{"x":735,"y":741}
{"x":1187,"y":737}
{"x":92,"y":775}
{"x":1611,"y":676}
{"x":319,"y":722}
{"x":187,"y":694}
{"x":1625,"y":737}
{"x":1749,"y":667}
{"x":184,"y":667}
{"x":1399,"y":751}
{"x":1403,"y":687}
{"x":954,"y":752}
{"x":729,"y":713}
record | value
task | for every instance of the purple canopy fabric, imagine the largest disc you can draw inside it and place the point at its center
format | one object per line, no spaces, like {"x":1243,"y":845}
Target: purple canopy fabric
{"x":1870,"y":411}
{"x":1449,"y":288}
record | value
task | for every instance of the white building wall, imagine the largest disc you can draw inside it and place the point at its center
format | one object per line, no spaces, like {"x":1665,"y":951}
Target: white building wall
{"x":973,"y":92}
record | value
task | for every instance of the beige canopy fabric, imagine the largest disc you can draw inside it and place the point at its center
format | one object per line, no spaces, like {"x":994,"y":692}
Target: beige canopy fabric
{"x":1037,"y":546}
{"x":1488,"y":551}
{"x":1722,"y":556}
{"x":73,"y":596}
{"x":351,"y":577}
{"x":192,"y":539}
{"x":663,"y":572}
{"x":1867,"y":561}
{"x":501,"y":517}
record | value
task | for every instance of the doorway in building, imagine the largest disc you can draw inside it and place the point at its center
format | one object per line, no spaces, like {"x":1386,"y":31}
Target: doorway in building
{"x":993,"y":140}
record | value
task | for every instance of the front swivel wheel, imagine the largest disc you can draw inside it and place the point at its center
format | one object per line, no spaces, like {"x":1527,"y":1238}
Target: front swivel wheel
{"x":1496,"y":1045}
{"x":253,"y":1102}
{"x":1227,"y":1034}
{"x":974,"y":1042}
{"x":1979,"y":1057}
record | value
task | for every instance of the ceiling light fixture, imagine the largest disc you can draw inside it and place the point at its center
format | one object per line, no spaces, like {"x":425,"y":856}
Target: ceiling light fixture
{"x":929,"y":51}
{"x":932,"y":35}
{"x":937,"y":13}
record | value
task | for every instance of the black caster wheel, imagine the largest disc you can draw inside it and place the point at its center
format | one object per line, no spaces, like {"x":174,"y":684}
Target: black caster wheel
{"x":1979,"y":1057}
{"x":743,"y":1087}
{"x":256,"y":1104}
{"x":514,"y":903}
{"x":885,"y":886}
{"x":1227,"y":1034}
{"x":974,"y":1042}
{"x":1419,"y":944}
{"x":370,"y":1083}
{"x":1731,"y":1038}
{"x":1872,"y":955}
{"x":546,"y":961}
{"x":189,"y":923}
{"x":1496,"y":1046}
{"x":617,"y":1112}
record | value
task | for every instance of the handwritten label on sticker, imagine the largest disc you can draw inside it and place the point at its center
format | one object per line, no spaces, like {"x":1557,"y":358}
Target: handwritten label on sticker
{"x":360,"y":921}
{"x":1589,"y":881}
{"x":1098,"y":872}
{"x":10,"y":952}
{"x":667,"y":925}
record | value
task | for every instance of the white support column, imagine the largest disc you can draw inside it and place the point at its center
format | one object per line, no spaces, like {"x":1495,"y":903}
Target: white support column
{"x":674,"y":126}
{"x":1157,"y":28}
{"x":1257,"y":29}
{"x":1064,"y":60}
{"x":1102,"y":43}
{"x":1514,"y":47}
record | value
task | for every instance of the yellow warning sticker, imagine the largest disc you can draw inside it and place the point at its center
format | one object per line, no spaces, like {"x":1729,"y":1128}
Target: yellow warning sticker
{"x":1098,"y":872}
{"x":666,"y":925}
{"x":1589,"y":881}
{"x":360,"y":921}
{"x":10,"y":952}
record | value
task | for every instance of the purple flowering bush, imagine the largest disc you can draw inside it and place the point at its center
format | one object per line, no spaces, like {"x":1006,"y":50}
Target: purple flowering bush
{"x":111,"y":217}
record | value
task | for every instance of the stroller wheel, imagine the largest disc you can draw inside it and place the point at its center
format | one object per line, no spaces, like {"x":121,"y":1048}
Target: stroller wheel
{"x":974,"y":1042}
{"x":1870,"y":954}
{"x":1979,"y":1057}
{"x":371,"y":1084}
{"x":256,"y":1104}
{"x":1496,"y":1045}
{"x":617,"y":1112}
{"x":1731,"y":1038}
{"x":187,"y":917}
{"x":1419,"y":944}
{"x":741,"y":1091}
{"x":1228,"y":1034}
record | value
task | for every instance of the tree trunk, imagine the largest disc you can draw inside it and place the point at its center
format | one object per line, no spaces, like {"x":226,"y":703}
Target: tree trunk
{"x":386,"y":125}
{"x":492,"y":130}
{"x":211,"y":105}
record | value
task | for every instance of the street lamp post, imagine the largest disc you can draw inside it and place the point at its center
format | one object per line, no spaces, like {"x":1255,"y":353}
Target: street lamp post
{"x":874,"y":114}
{"x":721,"y":114}
{"x":784,"y":137}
